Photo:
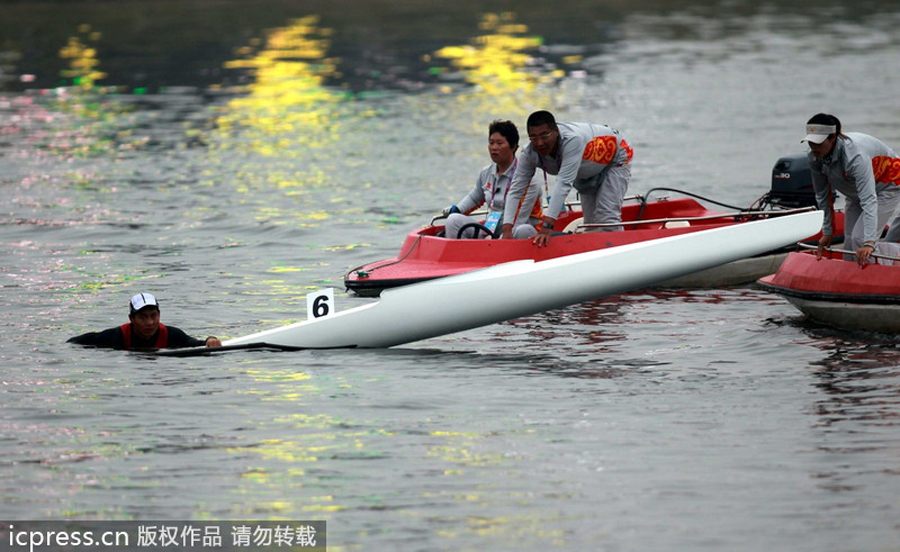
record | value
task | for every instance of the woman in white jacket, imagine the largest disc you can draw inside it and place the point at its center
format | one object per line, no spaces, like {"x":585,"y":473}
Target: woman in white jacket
{"x":491,"y":188}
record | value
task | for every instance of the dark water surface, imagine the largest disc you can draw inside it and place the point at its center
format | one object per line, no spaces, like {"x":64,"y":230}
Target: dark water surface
{"x":231,"y":160}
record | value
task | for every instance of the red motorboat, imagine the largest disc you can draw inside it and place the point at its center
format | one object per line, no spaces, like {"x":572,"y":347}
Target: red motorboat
{"x":426,"y":253}
{"x":839,"y":292}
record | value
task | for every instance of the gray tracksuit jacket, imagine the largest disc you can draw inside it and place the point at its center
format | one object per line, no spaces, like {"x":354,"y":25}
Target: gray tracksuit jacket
{"x":861,"y":167}
{"x":584,"y":153}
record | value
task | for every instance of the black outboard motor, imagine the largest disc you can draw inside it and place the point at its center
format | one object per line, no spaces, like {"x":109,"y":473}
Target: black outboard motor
{"x":791,"y":183}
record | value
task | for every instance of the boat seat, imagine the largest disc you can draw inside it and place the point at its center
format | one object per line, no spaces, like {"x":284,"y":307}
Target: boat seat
{"x":573,"y":226}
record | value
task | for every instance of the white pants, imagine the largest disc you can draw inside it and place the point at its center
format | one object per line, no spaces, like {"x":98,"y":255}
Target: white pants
{"x":604,"y":204}
{"x":893,"y":233}
{"x":890,"y":249}
{"x":457,"y":220}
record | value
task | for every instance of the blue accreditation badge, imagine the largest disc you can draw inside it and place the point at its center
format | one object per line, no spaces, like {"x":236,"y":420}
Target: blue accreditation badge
{"x":493,"y":220}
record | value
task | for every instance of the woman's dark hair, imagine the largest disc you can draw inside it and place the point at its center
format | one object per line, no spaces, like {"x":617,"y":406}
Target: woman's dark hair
{"x":826,"y":119}
{"x":539,"y":118}
{"x":506,"y":129}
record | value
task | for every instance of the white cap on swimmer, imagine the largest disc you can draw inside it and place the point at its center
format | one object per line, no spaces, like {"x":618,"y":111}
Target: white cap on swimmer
{"x":142,"y":300}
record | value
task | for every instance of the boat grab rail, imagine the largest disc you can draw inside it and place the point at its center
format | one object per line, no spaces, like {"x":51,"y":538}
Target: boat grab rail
{"x":640,"y":198}
{"x":698,"y":218}
{"x":570,"y":206}
{"x":874,"y":255}
{"x":645,"y":197}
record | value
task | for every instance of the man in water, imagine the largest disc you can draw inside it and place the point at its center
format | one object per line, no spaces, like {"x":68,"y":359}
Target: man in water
{"x":144,"y":331}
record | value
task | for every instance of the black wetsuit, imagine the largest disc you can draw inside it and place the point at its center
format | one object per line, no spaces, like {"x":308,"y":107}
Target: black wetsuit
{"x":115,"y":338}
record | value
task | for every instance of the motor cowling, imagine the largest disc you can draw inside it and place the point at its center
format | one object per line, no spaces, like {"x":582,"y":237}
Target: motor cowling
{"x":792,"y":183}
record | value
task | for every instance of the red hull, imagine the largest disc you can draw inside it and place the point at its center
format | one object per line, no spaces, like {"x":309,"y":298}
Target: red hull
{"x":840,"y":293}
{"x":804,"y":276}
{"x":425,"y":256}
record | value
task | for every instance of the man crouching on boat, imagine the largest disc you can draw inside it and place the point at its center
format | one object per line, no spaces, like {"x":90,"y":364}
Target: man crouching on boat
{"x":492,"y":187}
{"x":593,"y":159}
{"x":144,"y":331}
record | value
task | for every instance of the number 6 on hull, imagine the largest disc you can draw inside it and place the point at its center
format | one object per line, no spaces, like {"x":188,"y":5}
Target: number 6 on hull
{"x":320,"y":304}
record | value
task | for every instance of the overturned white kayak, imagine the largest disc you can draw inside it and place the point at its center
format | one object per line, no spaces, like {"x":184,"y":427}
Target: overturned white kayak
{"x":521,"y":288}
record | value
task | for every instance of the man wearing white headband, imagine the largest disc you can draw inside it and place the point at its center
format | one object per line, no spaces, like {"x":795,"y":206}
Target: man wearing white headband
{"x":866,"y":171}
{"x":144,"y":331}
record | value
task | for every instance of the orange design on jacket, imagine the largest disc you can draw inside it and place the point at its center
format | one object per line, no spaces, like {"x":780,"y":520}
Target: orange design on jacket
{"x":628,"y":149}
{"x":886,"y":169}
{"x":536,"y":212}
{"x":601,"y":150}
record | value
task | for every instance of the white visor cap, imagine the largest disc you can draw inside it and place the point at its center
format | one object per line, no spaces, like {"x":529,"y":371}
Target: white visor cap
{"x":818,"y":133}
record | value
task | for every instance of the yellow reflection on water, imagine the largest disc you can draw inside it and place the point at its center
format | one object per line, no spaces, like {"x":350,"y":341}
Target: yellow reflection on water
{"x":460,"y":449}
{"x":286,"y":105}
{"x":260,"y":375}
{"x":289,"y":120}
{"x":499,"y":64}
{"x":309,"y":439}
{"x":80,"y":118}
{"x":473,"y":451}
{"x":83,"y":63}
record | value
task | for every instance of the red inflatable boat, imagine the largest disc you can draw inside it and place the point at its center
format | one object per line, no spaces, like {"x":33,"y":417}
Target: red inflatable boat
{"x":840,"y":293}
